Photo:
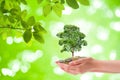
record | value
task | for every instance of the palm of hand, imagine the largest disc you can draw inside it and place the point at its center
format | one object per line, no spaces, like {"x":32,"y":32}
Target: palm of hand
{"x":78,"y":66}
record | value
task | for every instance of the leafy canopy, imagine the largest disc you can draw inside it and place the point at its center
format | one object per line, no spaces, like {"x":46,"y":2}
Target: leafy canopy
{"x":71,"y":39}
{"x":13,"y":17}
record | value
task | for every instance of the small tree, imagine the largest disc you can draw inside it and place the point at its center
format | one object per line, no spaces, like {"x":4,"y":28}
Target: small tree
{"x":71,"y":39}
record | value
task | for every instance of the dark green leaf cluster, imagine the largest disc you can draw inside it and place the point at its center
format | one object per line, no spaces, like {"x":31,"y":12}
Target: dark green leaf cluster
{"x":71,"y":39}
{"x":57,"y":5}
{"x":37,"y":32}
{"x":74,"y":3}
{"x":53,"y":5}
{"x":11,"y":16}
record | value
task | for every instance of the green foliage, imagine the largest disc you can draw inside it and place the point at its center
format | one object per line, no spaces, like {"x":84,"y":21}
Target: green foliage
{"x":47,"y":9}
{"x":62,"y":1}
{"x":72,"y":3}
{"x":13,"y":17}
{"x":39,"y":1}
{"x":84,"y":2}
{"x":31,"y":21}
{"x":71,"y":39}
{"x":24,"y":24}
{"x":113,"y":4}
{"x":57,"y":8}
{"x":38,"y":37}
{"x":27,"y":36}
{"x":38,"y":28}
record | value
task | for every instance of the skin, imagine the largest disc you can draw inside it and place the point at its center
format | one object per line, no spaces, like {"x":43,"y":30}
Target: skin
{"x":83,"y":65}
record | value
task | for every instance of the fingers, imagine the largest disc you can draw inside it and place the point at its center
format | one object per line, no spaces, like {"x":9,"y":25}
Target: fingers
{"x":62,"y":65}
{"x":67,"y":68}
{"x":80,"y":61}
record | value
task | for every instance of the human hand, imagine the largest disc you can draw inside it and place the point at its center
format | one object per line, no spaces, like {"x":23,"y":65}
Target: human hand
{"x":81,"y":65}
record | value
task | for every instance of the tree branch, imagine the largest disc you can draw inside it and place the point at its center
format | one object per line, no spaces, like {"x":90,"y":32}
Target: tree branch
{"x":12,"y":28}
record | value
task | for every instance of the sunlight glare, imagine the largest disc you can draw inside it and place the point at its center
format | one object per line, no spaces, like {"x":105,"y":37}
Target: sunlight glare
{"x":117,"y":12}
{"x":56,"y":27}
{"x":96,"y":49}
{"x":67,"y":11}
{"x":14,"y":65}
{"x":18,"y":39}
{"x":113,"y":55}
{"x":102,"y":33}
{"x":9,"y":40}
{"x":29,"y":56}
{"x":115,"y":26}
{"x":7,"y":72}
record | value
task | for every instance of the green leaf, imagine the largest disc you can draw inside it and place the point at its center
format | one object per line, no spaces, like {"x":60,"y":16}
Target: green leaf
{"x":72,"y":3}
{"x":23,"y":14}
{"x":24,"y":2}
{"x":60,"y":6}
{"x":5,"y":17}
{"x":57,"y":8}
{"x":2,"y":9}
{"x":38,"y":37}
{"x":55,"y":1}
{"x":47,"y":9}
{"x":84,"y":2}
{"x":7,"y":5}
{"x":31,"y":21}
{"x":11,"y":19}
{"x":27,"y":36}
{"x":14,"y":11}
{"x":38,"y":28}
{"x":62,"y":1}
{"x":39,"y":1}
{"x":24,"y":24}
{"x":84,"y":43}
{"x":82,"y":35}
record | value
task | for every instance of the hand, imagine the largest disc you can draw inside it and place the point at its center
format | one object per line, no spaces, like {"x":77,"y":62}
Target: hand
{"x":78,"y":66}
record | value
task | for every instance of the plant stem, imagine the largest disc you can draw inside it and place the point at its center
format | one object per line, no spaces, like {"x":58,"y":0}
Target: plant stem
{"x":13,"y":28}
{"x":72,"y":53}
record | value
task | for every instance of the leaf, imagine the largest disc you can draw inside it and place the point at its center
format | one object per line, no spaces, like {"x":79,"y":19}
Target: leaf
{"x":24,"y":2}
{"x":39,"y":1}
{"x":84,"y":43}
{"x":47,"y":9}
{"x":62,"y":1}
{"x":72,"y":3}
{"x":14,"y":11}
{"x":5,"y":17}
{"x":7,"y":5}
{"x":24,"y":24}
{"x":11,"y":19}
{"x":38,"y":37}
{"x":60,"y":6}
{"x":23,"y":13}
{"x":31,"y":21}
{"x":38,"y":28}
{"x":27,"y":36}
{"x":2,"y":9}
{"x":84,"y":2}
{"x":57,"y":8}
{"x":55,"y":1}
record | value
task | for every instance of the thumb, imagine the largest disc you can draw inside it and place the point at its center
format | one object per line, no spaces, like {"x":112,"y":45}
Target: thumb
{"x":80,"y":61}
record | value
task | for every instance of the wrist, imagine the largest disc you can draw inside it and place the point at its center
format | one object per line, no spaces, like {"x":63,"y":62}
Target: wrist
{"x":97,"y":65}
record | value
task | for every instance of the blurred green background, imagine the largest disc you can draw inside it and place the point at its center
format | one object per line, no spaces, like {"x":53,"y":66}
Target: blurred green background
{"x":35,"y":61}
